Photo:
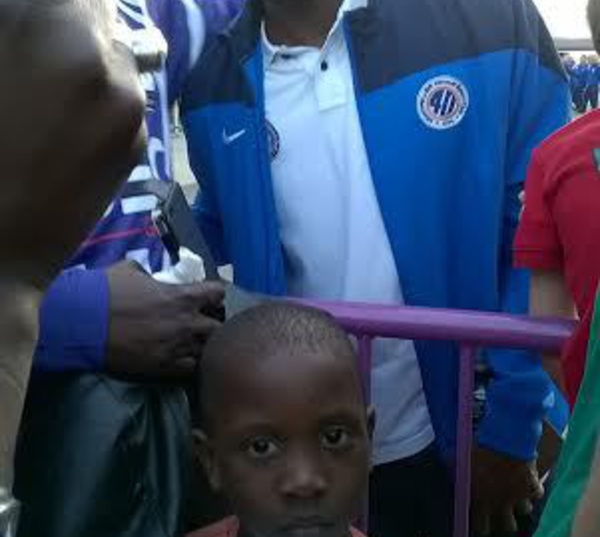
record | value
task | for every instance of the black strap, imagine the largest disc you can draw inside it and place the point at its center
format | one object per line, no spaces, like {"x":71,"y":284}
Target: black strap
{"x":175,"y":221}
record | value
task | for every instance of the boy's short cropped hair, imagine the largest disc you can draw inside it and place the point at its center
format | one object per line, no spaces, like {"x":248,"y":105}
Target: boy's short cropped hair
{"x":286,"y":434}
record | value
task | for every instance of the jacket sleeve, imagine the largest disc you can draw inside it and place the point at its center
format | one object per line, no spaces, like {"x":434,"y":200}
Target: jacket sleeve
{"x":521,"y":395}
{"x":74,"y":323}
{"x":206,"y":207}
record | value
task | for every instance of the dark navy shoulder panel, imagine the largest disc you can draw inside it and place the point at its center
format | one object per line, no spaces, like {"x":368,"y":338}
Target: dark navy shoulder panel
{"x":392,"y":39}
{"x":389,"y":40}
{"x":218,"y":77}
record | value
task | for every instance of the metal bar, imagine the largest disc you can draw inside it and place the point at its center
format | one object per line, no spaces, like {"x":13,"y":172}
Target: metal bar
{"x":472,"y":330}
{"x":464,"y":441}
{"x":478,"y":328}
{"x":365,"y":358}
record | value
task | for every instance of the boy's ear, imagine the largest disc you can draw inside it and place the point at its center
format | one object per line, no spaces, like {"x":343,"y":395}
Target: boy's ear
{"x":371,"y":421}
{"x":204,"y":454}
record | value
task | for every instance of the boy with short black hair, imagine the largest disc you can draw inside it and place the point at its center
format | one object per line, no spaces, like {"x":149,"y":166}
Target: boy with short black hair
{"x":286,"y":434}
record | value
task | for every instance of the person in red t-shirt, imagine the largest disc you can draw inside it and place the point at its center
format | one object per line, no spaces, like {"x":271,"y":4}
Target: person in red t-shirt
{"x":559,"y":234}
{"x":286,"y":435}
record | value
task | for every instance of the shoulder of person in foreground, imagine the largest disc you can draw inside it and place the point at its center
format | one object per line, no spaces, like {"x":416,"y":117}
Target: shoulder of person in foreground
{"x":101,"y":126}
{"x":96,"y":111}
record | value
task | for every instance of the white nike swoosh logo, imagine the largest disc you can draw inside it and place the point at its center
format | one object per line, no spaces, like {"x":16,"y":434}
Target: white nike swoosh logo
{"x":229,"y":139}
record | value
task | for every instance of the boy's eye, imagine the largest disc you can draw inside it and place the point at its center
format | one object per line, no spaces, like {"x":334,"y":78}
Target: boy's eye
{"x":261,"y":447}
{"x":336,"y":438}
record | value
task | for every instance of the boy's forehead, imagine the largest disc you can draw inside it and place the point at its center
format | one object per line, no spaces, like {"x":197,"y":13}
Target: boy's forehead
{"x":290,"y":363}
{"x":289,"y":381}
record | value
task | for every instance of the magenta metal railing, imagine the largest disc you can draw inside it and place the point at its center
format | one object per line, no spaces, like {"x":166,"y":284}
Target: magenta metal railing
{"x":471,"y":330}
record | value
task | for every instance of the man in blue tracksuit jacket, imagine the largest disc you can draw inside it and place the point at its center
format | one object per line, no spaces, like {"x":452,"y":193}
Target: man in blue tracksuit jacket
{"x":592,"y":82}
{"x":579,"y":78}
{"x":570,"y":66}
{"x":375,"y":151}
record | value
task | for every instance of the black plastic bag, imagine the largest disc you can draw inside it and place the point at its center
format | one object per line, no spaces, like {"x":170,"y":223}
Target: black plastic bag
{"x":103,"y":458}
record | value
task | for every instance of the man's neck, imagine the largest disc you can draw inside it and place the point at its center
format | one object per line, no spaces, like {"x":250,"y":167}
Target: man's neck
{"x":300,"y":22}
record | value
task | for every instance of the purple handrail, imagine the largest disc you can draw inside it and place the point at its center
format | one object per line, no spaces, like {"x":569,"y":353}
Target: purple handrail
{"x":469,"y":328}
{"x":473,"y":327}
{"x":464,"y":441}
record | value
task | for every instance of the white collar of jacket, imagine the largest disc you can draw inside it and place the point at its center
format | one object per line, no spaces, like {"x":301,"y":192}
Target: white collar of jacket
{"x":271,"y":51}
{"x":245,"y":33}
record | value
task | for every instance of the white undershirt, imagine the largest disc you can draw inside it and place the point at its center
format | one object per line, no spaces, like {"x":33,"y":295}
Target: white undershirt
{"x":331,"y":228}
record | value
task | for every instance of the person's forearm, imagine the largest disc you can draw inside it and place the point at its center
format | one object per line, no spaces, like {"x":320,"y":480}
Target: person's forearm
{"x":550,"y":297}
{"x":18,"y":333}
{"x":74,"y":319}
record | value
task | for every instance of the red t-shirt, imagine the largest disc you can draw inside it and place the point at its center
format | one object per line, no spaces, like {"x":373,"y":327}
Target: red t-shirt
{"x":230,"y":527}
{"x":560,"y":225}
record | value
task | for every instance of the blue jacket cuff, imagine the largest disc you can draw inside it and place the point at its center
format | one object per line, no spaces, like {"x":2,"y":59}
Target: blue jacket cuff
{"x":516,"y":408}
{"x":74,"y":323}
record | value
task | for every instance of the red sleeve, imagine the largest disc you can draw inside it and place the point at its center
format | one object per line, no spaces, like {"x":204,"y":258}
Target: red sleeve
{"x":537,"y":245}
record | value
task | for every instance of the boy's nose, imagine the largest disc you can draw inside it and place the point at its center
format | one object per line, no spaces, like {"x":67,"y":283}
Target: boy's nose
{"x":304,"y":477}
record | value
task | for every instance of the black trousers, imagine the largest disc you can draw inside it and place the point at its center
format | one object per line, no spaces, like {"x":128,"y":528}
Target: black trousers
{"x":414,"y":497}
{"x":102,"y":458}
{"x":579,"y":101}
{"x":411,"y":497}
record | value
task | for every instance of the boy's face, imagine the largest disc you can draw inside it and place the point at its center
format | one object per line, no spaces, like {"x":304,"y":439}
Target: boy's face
{"x":290,"y":446}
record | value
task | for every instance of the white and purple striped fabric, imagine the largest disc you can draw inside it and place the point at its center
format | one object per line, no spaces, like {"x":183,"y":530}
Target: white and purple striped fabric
{"x":126,"y":230}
